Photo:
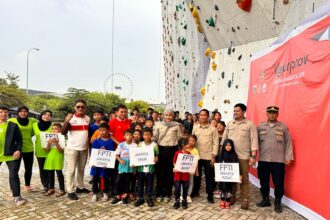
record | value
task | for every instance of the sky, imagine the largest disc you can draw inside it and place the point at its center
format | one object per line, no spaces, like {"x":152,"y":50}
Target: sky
{"x":75,"y":38}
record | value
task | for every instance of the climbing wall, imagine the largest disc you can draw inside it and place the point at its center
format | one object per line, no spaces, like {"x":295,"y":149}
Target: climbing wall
{"x":184,"y":63}
{"x":228,"y":77}
{"x":214,"y":39}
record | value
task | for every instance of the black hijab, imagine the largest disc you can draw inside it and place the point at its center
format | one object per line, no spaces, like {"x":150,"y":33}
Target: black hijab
{"x":44,"y":125}
{"x":22,"y":121}
{"x":228,"y":156}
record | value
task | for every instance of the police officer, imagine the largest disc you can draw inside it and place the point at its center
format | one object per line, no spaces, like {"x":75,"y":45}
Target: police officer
{"x":275,"y":151}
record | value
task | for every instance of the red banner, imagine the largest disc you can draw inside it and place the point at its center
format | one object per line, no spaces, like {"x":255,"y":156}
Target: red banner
{"x":295,"y":77}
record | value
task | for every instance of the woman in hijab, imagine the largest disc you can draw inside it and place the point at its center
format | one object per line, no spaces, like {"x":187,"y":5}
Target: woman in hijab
{"x":167,"y":134}
{"x":43,"y":126}
{"x":25,"y":125}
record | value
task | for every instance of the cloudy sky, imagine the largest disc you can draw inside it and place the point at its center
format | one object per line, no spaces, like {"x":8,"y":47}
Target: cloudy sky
{"x":74,"y":38}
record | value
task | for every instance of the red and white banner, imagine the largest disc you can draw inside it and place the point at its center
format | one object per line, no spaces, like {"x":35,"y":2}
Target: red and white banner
{"x":295,"y":76}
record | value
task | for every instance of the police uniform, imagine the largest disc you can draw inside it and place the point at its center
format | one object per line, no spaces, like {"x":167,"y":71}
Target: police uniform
{"x":275,"y":147}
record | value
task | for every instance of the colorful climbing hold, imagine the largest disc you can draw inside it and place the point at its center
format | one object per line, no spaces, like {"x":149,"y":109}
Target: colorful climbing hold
{"x":203,"y":90}
{"x":200,"y":103}
{"x":216,"y":7}
{"x":207,"y":51}
{"x":195,"y":13}
{"x":185,"y":62}
{"x":211,"y":22}
{"x":199,"y":28}
{"x":214,"y":66}
{"x":183,"y":41}
{"x":245,"y":5}
{"x":213,"y":54}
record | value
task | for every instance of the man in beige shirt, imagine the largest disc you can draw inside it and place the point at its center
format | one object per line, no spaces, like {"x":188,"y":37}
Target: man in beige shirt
{"x":208,"y":146}
{"x":275,"y":152}
{"x":245,"y":137}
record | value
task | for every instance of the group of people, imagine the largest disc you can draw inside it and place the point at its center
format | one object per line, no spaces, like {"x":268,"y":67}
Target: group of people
{"x":203,"y":135}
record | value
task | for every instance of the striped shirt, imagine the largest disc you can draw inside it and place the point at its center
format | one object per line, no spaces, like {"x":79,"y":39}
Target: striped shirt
{"x":78,"y":133}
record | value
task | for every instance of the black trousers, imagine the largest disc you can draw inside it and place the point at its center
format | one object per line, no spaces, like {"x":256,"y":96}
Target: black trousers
{"x":123,"y":183}
{"x":28,"y":164}
{"x":14,"y":183}
{"x":132,"y":188}
{"x":97,"y":182}
{"x":177,"y":191}
{"x":209,"y":178}
{"x":51,"y":179}
{"x":43,"y":173}
{"x":147,"y":180}
{"x":164,"y":171}
{"x":113,"y":179}
{"x":277,"y":171}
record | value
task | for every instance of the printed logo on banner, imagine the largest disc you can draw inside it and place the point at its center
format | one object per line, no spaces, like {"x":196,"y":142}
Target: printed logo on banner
{"x":186,"y":163}
{"x":102,"y":158}
{"x":227,"y":172}
{"x":141,"y":156}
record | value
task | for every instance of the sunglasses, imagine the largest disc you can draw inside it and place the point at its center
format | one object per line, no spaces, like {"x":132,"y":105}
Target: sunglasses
{"x":80,"y":106}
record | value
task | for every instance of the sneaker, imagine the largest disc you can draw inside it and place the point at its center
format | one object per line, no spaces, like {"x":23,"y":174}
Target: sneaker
{"x":139,"y":202}
{"x":125,"y":200}
{"x":115,"y":201}
{"x":184,"y":204}
{"x":105,"y":197}
{"x":94,"y":198}
{"x":150,"y":202}
{"x":217,"y":194}
{"x":166,"y":199}
{"x":189,"y":200}
{"x":159,"y":199}
{"x":19,"y":201}
{"x":180,"y":199}
{"x":72,"y":196}
{"x":83,"y":190}
{"x":176,"y":205}
{"x":227,"y":205}
{"x":210,"y":199}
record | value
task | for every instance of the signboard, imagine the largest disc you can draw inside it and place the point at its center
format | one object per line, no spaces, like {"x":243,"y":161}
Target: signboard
{"x":227,"y":172}
{"x":186,"y":163}
{"x":45,"y":137}
{"x":102,"y":158}
{"x":141,"y":156}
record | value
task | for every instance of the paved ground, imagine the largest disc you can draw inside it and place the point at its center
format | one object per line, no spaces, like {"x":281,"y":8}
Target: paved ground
{"x":41,"y":207}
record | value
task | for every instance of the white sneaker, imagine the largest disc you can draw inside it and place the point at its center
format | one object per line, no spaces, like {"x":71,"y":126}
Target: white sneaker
{"x":189,"y":199}
{"x":105,"y":197}
{"x":94,"y":198}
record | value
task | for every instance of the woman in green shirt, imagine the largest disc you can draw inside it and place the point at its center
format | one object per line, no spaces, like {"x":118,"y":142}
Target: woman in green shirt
{"x":10,"y":152}
{"x":25,"y":125}
{"x":43,"y":126}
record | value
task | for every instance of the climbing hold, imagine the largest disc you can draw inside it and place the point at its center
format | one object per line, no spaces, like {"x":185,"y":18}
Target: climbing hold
{"x":187,"y":82}
{"x":179,"y":41}
{"x":245,"y":5}
{"x":197,"y":21}
{"x":202,"y":91}
{"x":195,"y":13}
{"x":213,"y":54}
{"x":240,"y":57}
{"x":198,"y":7}
{"x":223,"y":75}
{"x":216,"y":7}
{"x":183,"y":41}
{"x":285,"y":2}
{"x":199,"y":28}
{"x":185,"y":26}
{"x":229,"y":84}
{"x":207,"y":51}
{"x":233,"y":29}
{"x":200,"y":103}
{"x":211,"y":22}
{"x":214,"y":66}
{"x":191,"y":7}
{"x":185,"y":62}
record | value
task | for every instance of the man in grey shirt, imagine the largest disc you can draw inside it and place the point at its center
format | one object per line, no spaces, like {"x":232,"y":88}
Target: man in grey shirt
{"x":275,"y":151}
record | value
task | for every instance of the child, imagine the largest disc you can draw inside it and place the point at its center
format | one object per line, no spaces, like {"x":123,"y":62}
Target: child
{"x":96,"y":134}
{"x":105,"y":143}
{"x":146,"y":173}
{"x":54,"y":162}
{"x":192,"y":150}
{"x":137,"y":136}
{"x":124,"y":169}
{"x":97,"y":117}
{"x":181,"y":179}
{"x":150,"y":123}
{"x":227,"y":155}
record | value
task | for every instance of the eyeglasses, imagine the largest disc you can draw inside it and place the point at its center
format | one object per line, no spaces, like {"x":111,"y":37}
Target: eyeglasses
{"x":80,"y":106}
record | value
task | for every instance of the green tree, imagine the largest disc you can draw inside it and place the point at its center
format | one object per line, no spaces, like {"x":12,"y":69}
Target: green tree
{"x":10,"y":94}
{"x":141,"y":105}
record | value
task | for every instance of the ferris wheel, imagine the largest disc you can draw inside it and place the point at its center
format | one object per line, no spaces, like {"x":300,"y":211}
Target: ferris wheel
{"x":120,"y":84}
